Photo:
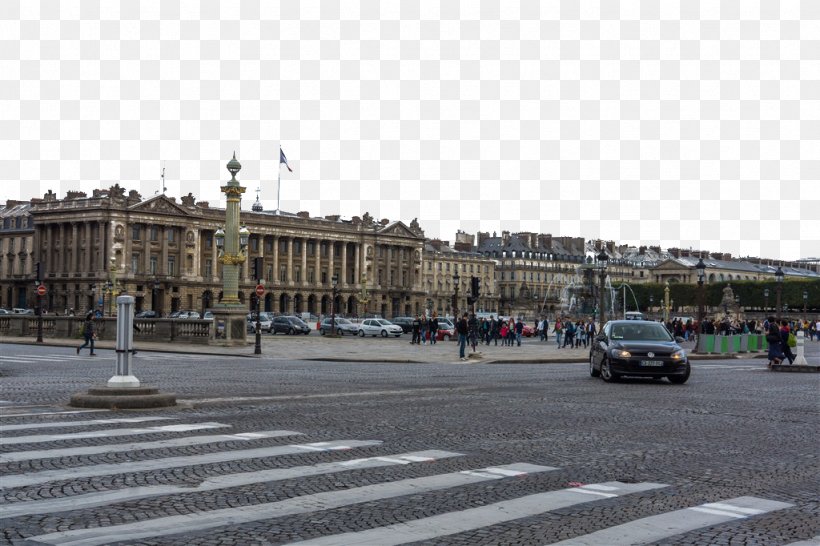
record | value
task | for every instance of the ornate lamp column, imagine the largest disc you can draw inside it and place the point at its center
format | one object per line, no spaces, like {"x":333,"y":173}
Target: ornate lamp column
{"x":229,"y":314}
{"x":602,"y":259}
{"x":701,"y":269}
{"x":778,"y":288}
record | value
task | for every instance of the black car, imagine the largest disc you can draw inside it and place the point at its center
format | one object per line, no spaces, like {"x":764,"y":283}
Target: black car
{"x":637,"y":347}
{"x":289,"y":325}
{"x":406,"y":323}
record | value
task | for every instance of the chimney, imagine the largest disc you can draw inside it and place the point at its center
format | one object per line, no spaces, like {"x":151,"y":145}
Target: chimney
{"x":303,"y":214}
{"x":610,"y":246}
{"x":462,"y":247}
{"x":203,"y":204}
{"x":483,"y":236}
{"x":675,"y":252}
{"x":505,"y":238}
{"x":545,"y":240}
{"x":642,"y":250}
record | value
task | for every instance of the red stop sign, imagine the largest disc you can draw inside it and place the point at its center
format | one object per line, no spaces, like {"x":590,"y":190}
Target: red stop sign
{"x":260,"y":290}
{"x":41,"y":290}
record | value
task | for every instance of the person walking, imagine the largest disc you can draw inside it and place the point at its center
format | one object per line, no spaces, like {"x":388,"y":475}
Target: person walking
{"x":776,"y":355}
{"x":569,"y":334}
{"x":558,"y":330}
{"x":519,"y":330}
{"x":494,"y":326}
{"x":545,"y":327}
{"x":416,"y":329}
{"x":785,"y":332}
{"x":433,"y":328}
{"x":504,"y":331}
{"x":88,"y":333}
{"x":463,"y":329}
{"x":423,"y":329}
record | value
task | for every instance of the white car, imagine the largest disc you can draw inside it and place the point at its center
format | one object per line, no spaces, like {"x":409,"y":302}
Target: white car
{"x":377,"y":326}
{"x":343,"y":326}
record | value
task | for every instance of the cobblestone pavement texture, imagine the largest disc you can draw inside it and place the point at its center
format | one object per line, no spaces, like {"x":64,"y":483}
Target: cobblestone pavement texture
{"x":734,"y":430}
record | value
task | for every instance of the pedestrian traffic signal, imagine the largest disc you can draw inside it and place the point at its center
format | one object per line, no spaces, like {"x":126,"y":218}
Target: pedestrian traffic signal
{"x":474,"y":286}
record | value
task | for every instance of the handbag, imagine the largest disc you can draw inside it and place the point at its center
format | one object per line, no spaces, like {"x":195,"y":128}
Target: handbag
{"x":792,"y":340}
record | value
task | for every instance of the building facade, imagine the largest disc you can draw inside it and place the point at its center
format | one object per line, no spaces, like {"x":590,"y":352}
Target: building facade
{"x":164,"y":254}
{"x":443,"y":263}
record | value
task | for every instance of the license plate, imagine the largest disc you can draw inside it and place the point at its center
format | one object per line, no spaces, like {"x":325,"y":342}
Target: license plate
{"x":651,"y":363}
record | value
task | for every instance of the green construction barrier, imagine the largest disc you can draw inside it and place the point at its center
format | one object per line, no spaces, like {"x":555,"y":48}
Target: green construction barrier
{"x":708,"y":343}
{"x":735,"y":344}
{"x":724,"y":344}
{"x":753,"y":343}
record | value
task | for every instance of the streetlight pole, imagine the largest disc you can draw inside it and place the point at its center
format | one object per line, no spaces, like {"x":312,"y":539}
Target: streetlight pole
{"x":805,"y":302}
{"x":701,"y":269}
{"x":334,"y":281}
{"x":602,"y":259}
{"x":651,"y":304}
{"x":778,"y":279}
{"x":765,"y":302}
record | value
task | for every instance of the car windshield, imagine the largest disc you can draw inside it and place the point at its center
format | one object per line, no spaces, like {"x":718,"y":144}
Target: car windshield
{"x":648,"y":331}
{"x":384,"y":322}
{"x":298,"y":321}
{"x":342,"y":321}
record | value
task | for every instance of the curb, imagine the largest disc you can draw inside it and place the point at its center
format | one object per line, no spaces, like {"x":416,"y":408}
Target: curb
{"x":97,"y":345}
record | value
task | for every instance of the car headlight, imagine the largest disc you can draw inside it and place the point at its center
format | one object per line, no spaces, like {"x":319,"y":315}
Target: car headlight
{"x":618,"y":353}
{"x":679,"y":355}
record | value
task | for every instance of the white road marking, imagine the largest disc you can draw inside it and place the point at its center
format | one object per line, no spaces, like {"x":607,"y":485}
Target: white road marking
{"x":90,"y":500}
{"x":38,"y":413}
{"x":69,"y":424}
{"x":475,"y":518}
{"x":326,"y":395}
{"x":662,"y":526}
{"x":40,"y":438}
{"x":73,"y":473}
{"x":809,"y":542}
{"x":199,"y":521}
{"x":132,"y":446}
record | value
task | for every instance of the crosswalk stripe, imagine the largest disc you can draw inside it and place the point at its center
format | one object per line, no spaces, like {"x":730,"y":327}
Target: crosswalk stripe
{"x":475,"y":518}
{"x":16,"y":456}
{"x":662,"y":526}
{"x":70,"y":424}
{"x":72,"y":473}
{"x":199,"y":521}
{"x":809,"y":542}
{"x":40,"y":438}
{"x":6,"y":359}
{"x":90,"y":500}
{"x":39,"y":413}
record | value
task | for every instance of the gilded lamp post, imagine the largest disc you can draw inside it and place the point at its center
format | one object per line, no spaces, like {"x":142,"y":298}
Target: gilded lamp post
{"x":231,"y":242}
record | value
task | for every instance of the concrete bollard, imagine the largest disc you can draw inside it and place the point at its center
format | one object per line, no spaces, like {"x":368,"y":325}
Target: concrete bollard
{"x":800,"y":357}
{"x":125,"y":344}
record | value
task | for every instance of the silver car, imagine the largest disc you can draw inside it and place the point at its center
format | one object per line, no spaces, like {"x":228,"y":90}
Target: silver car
{"x":343,"y":326}
{"x":376,"y":326}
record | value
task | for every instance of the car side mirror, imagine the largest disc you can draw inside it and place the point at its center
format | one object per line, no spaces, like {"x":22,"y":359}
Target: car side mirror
{"x":679,"y":339}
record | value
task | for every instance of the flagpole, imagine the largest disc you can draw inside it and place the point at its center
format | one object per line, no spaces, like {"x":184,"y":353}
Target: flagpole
{"x":278,"y":186}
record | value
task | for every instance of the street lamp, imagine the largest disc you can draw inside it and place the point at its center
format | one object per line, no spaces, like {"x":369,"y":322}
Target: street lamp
{"x":765,"y":301}
{"x":778,"y":279}
{"x":651,"y":303}
{"x":456,"y":280}
{"x":701,"y":269}
{"x":334,"y":281}
{"x":108,"y":286}
{"x":602,"y":259}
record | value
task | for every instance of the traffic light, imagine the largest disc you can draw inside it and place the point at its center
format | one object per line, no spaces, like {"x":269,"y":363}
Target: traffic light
{"x":470,"y":300}
{"x":474,"y":287}
{"x":257,"y":268}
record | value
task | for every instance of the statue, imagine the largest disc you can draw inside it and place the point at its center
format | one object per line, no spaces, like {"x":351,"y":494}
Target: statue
{"x":116,"y":191}
{"x":188,"y":200}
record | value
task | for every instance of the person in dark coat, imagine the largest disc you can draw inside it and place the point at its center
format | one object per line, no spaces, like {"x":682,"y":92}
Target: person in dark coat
{"x":88,"y":333}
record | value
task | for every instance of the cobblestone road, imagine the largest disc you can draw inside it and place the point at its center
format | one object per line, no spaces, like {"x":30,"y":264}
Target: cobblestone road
{"x":268,"y":451}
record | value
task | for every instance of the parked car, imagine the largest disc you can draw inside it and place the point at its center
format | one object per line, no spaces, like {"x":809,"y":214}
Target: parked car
{"x":446,"y":334}
{"x":287,"y":324}
{"x":208,"y":316}
{"x":188,"y":315}
{"x":527,"y":331}
{"x":174,"y":314}
{"x":447,"y":323}
{"x":376,"y":326}
{"x":265,"y":320}
{"x":5,"y":312}
{"x":637,"y":347}
{"x":21,"y":311}
{"x":146,"y":314}
{"x":343,"y":326}
{"x":406,"y":323}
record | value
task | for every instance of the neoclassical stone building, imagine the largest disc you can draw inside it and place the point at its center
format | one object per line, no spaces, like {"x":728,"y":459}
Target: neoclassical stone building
{"x":442,"y":262}
{"x":164,"y":253}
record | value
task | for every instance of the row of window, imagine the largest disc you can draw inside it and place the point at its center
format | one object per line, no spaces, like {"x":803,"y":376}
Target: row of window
{"x":12,"y":245}
{"x":472,"y":267}
{"x":18,"y":222}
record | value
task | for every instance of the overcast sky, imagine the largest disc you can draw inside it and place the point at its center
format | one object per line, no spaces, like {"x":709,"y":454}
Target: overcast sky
{"x":679,"y":123}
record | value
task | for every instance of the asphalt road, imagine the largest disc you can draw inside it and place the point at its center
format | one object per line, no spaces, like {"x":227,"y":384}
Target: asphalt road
{"x":264,"y":451}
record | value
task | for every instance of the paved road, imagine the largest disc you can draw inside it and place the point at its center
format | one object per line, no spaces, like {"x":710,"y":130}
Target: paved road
{"x":270,"y":451}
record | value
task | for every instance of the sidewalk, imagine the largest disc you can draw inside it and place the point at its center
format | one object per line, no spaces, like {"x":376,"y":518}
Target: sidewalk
{"x":355,"y":349}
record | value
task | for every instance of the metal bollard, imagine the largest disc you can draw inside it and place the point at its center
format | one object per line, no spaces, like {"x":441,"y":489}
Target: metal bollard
{"x":125,"y":343}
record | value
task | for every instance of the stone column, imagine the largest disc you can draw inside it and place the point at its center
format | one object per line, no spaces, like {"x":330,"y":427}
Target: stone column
{"x":290,"y":262}
{"x":162,"y":267}
{"x":357,"y":278}
{"x":317,"y":258}
{"x":88,"y":247}
{"x":75,"y":248}
{"x":331,"y":264}
{"x":275,"y":260}
{"x":344,"y":264}
{"x":103,"y":265}
{"x":304,"y":261}
{"x":63,"y":246}
{"x":389,"y":266}
{"x":146,"y":245}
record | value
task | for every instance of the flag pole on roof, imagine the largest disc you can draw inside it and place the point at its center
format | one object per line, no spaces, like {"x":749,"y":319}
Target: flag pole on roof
{"x":282,"y":159}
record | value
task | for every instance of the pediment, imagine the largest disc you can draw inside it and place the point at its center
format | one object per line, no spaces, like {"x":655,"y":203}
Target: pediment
{"x":670,"y":265}
{"x":160,"y":204}
{"x":398,"y":228}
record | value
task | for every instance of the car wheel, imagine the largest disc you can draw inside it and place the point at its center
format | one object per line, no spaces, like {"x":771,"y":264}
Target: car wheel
{"x":361,"y":333}
{"x":679,"y":379}
{"x":384,"y":333}
{"x":340,"y":333}
{"x":592,"y":371}
{"x":322,"y":331}
{"x":291,"y":332}
{"x":606,"y":372}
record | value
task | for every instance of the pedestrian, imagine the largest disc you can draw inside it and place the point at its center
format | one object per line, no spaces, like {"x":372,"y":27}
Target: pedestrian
{"x":773,"y":338}
{"x":569,"y":334}
{"x":416,"y":329}
{"x":519,"y":330}
{"x":495,"y":325}
{"x":423,"y":329}
{"x":545,"y":329}
{"x":463,"y":329}
{"x":88,"y":333}
{"x":558,"y":330}
{"x":504,"y":330}
{"x":591,"y":331}
{"x":433,"y":328}
{"x":786,"y":345}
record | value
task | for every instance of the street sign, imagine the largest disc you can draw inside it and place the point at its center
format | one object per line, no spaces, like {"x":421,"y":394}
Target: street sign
{"x":260,"y":290}
{"x":41,"y":290}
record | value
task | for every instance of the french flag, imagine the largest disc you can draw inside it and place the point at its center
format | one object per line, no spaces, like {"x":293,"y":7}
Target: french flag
{"x":283,"y":159}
